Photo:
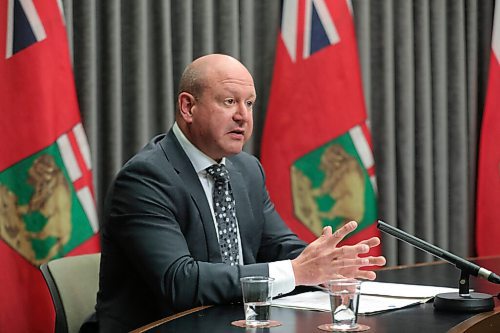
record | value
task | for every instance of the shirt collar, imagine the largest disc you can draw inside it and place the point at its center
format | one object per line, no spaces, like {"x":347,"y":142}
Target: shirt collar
{"x":199,"y":160}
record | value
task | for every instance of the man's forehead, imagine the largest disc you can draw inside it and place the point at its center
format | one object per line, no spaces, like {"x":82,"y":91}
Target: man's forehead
{"x":235,"y":86}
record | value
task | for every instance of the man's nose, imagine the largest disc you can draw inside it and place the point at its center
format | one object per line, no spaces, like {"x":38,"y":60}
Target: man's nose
{"x":242,"y":113}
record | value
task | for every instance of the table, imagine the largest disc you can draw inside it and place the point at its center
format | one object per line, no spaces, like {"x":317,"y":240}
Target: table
{"x":421,"y":318}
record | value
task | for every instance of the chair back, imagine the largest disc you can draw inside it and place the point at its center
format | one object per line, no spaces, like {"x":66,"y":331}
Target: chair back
{"x":73,"y":284}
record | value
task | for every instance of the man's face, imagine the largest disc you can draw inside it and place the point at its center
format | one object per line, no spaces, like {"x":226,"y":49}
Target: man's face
{"x":222,"y":117}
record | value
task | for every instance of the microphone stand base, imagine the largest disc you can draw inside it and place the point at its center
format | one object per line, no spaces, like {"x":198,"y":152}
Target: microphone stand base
{"x":474,"y":302}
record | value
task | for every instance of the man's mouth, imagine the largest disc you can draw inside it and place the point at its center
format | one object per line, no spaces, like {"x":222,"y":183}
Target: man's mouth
{"x":238,"y":132}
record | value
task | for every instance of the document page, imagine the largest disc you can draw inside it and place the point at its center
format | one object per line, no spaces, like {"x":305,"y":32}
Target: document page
{"x":375,"y":297}
{"x":402,"y":290}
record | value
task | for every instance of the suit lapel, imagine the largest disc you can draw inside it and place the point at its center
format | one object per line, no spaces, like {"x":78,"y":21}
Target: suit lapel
{"x":179,"y":160}
{"x":244,"y":211}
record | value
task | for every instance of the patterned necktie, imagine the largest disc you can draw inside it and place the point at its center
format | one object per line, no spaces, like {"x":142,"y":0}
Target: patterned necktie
{"x":225,"y":214}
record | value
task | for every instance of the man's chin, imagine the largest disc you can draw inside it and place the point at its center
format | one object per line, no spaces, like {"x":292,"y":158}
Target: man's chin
{"x":231,"y":151}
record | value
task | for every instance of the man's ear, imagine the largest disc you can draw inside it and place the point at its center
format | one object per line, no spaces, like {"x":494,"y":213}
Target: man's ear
{"x":186,"y":103}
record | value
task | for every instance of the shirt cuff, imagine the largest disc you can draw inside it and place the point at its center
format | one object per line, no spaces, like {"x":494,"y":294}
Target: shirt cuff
{"x":284,"y":279}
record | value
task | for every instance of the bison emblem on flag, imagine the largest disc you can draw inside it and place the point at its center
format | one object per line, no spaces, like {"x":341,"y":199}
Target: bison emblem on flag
{"x":38,"y":205}
{"x":332,"y":185}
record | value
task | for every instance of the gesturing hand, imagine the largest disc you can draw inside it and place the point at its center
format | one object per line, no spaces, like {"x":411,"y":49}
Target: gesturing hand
{"x":322,"y":260}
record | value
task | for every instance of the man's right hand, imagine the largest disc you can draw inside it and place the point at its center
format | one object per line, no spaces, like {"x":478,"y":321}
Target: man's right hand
{"x":322,"y":260}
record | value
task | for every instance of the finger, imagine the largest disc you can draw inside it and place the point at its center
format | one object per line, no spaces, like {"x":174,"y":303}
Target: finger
{"x":372,"y":242}
{"x":349,"y":251}
{"x":327,"y":231}
{"x":340,"y":233}
{"x":358,"y":274}
{"x":377,"y":261}
{"x":367,"y":275}
{"x":347,"y":263}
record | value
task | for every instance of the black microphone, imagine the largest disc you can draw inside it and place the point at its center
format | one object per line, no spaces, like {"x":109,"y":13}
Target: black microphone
{"x":463,"y":301}
{"x":459,"y":262}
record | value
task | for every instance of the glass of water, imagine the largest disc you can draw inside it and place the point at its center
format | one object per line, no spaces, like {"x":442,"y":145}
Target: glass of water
{"x":344,"y":301}
{"x":257,"y":296}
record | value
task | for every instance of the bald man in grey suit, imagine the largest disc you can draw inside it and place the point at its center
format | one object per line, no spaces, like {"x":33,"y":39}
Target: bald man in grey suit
{"x":160,"y":241}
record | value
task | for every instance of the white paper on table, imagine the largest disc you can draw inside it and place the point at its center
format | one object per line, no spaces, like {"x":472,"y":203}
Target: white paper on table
{"x":375,"y":297}
{"x":369,"y":304}
{"x":402,"y":290}
{"x":311,"y":300}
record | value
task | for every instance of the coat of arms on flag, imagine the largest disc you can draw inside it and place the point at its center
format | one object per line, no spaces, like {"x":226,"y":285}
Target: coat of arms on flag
{"x":332,"y":185}
{"x":39,"y":199}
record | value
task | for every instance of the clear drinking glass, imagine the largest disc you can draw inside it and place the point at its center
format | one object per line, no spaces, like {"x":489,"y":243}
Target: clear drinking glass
{"x":344,"y":301}
{"x":257,"y":297}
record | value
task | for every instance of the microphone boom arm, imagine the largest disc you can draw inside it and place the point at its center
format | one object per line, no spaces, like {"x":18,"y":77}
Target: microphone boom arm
{"x":459,"y":262}
{"x":463,"y":301}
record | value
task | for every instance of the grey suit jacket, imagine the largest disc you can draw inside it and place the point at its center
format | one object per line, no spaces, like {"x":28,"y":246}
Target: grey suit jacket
{"x":160,"y":252}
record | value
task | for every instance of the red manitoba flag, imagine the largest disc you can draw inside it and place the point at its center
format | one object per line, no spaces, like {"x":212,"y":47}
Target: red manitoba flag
{"x":316,"y":147}
{"x":488,"y":182}
{"x":47,"y":206}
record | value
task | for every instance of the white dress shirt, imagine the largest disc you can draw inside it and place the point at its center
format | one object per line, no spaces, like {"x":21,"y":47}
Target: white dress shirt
{"x":281,"y":271}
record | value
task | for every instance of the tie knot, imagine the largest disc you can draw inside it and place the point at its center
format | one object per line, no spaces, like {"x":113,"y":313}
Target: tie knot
{"x":218,"y":172}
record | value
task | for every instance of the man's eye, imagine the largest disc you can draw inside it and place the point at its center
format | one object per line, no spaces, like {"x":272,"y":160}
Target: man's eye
{"x":229,"y":101}
{"x":249,"y":104}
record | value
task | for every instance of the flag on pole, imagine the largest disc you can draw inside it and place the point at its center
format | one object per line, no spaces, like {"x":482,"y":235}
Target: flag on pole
{"x":488,"y":182}
{"x":316,"y":146}
{"x":47,"y":206}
